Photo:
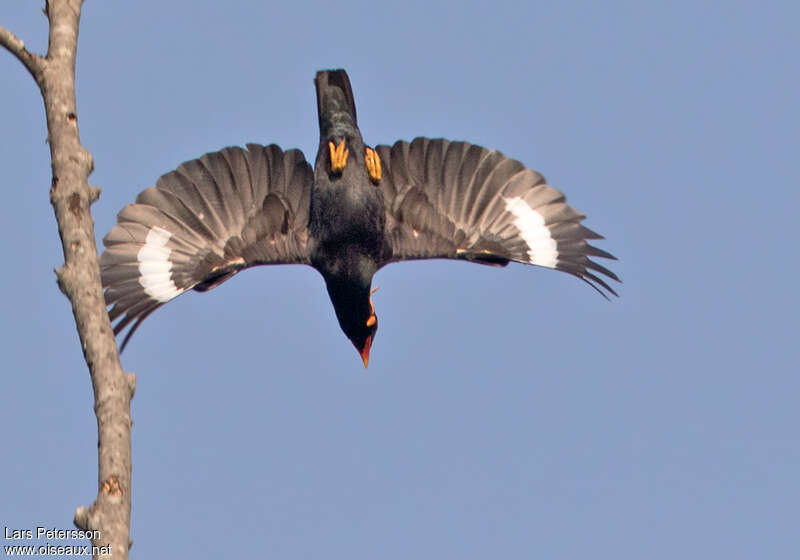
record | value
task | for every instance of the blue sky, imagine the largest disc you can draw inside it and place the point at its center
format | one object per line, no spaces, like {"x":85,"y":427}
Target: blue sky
{"x":506,"y":413}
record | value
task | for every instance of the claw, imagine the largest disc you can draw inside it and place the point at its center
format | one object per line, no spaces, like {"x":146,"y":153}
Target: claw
{"x":373,"y":165}
{"x":339,"y":155}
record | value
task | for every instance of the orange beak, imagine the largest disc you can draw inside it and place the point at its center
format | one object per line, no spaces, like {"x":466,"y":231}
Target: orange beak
{"x":365,"y":351}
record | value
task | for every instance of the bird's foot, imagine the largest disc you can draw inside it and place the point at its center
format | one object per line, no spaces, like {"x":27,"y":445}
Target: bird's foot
{"x":339,"y":155}
{"x":373,"y":165}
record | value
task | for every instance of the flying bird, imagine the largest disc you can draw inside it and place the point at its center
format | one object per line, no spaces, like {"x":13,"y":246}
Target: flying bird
{"x":359,"y":209}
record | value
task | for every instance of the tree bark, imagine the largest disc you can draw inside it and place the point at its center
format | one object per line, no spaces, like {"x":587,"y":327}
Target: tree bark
{"x":79,"y":277}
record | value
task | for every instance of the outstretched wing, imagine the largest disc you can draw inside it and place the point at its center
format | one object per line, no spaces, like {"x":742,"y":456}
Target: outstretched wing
{"x":455,"y":200}
{"x":201,"y":224}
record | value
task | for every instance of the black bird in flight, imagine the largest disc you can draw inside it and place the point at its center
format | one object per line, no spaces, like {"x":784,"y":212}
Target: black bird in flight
{"x":358,"y":210}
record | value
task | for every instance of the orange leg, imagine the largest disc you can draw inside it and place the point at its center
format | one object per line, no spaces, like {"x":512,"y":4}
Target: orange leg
{"x":338,"y":156}
{"x":373,"y":165}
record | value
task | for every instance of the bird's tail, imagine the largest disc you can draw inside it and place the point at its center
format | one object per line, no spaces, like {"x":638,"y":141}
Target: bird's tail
{"x":328,"y":83}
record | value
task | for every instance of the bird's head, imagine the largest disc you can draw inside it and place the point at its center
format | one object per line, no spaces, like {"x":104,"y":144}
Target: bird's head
{"x":360,"y":324}
{"x":363,"y":333}
{"x":352,"y":302}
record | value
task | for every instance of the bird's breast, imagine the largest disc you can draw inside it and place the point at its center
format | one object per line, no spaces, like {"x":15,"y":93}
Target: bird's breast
{"x":347,"y":225}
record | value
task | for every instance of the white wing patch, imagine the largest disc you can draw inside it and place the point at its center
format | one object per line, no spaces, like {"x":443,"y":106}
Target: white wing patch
{"x":542,"y":248}
{"x":155,"y":266}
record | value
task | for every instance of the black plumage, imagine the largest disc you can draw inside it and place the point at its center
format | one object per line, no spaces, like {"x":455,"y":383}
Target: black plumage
{"x":358,"y":210}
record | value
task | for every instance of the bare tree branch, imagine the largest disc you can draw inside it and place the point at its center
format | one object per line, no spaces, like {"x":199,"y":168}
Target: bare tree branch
{"x":79,"y":278}
{"x":16,"y":46}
